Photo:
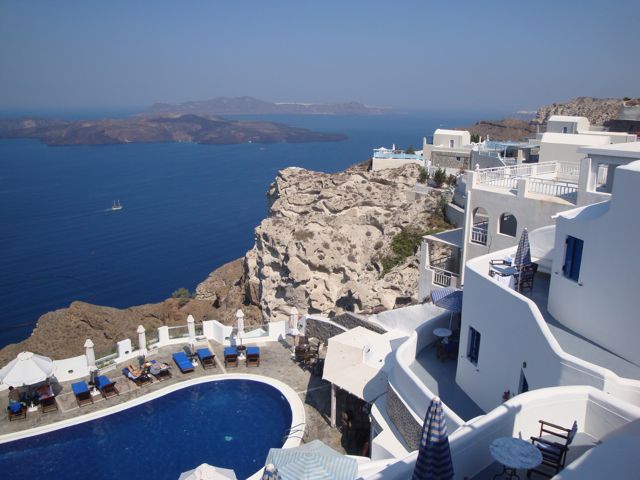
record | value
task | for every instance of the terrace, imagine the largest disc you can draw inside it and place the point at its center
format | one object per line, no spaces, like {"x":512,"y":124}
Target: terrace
{"x":276,"y":363}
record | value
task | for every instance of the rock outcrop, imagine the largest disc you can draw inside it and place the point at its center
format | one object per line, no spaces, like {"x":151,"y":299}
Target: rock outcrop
{"x":598,"y":110}
{"x":320,"y":248}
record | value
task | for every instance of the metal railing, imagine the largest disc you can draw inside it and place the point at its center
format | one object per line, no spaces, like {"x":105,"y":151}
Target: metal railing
{"x":179,"y":332}
{"x":479,"y":233}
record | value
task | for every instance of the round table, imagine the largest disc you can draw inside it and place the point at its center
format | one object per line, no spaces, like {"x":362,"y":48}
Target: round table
{"x":514,"y":454}
{"x":442,"y":332}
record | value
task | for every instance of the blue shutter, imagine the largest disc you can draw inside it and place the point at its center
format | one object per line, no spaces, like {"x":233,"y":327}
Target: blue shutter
{"x":568,"y":256}
{"x":577,"y":259}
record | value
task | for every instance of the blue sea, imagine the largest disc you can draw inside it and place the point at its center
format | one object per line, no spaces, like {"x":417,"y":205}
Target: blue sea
{"x":188,"y":209}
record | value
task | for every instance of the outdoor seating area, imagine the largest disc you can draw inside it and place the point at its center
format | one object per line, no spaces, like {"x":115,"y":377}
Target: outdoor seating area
{"x":309,"y":354}
{"x":553,"y":443}
{"x":518,"y":272}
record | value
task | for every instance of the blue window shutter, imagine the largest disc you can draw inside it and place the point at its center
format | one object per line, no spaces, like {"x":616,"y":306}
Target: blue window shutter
{"x":568,"y":256}
{"x":577,"y":259}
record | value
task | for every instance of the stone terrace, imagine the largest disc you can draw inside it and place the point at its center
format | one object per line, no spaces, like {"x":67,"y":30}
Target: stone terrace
{"x":275,"y":362}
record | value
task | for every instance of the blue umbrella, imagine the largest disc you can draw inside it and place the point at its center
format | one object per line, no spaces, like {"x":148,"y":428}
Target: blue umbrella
{"x":434,"y":458}
{"x":449,"y":298}
{"x":270,"y":472}
{"x":312,"y":461}
{"x":523,"y":254}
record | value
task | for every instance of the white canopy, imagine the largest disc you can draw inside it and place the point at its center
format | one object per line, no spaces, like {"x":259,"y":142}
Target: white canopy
{"x":27,"y":369}
{"x":208,"y":472}
{"x":355,"y":362}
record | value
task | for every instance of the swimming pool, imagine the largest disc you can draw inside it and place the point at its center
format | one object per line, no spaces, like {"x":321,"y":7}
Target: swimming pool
{"x":230,"y":423}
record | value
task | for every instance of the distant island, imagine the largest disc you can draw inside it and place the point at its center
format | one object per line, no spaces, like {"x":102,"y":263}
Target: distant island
{"x":253,"y":106}
{"x":175,"y":127}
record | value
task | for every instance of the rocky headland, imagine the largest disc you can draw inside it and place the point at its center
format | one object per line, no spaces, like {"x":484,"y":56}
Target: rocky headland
{"x":160,"y":128}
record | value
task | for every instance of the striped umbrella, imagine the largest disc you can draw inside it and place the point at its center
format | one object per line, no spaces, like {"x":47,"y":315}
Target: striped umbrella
{"x":270,"y":473}
{"x":447,"y":298}
{"x":312,"y":461}
{"x":434,"y":458}
{"x":523,"y":254}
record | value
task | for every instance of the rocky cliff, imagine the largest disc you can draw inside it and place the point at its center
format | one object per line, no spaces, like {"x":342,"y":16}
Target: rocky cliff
{"x":322,"y":245}
{"x":598,"y":110}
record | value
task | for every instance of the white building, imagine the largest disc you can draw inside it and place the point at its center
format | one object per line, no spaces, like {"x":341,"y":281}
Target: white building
{"x":450,"y":149}
{"x":384,"y":158}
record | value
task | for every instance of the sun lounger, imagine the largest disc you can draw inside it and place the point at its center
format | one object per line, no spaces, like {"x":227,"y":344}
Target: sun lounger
{"x":107,"y":387}
{"x":140,"y":380}
{"x":183,"y":363}
{"x":253,"y":357}
{"x":16,"y":410}
{"x":160,"y":371}
{"x":230,"y":357}
{"x":47,"y":399}
{"x":207,"y":358}
{"x":82,"y":393}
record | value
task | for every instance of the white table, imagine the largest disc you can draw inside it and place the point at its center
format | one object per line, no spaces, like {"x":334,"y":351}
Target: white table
{"x":504,"y":270}
{"x":442,"y":332}
{"x":514,"y":454}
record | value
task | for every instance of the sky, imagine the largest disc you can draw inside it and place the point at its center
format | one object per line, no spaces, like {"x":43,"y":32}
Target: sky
{"x":458,"y":55}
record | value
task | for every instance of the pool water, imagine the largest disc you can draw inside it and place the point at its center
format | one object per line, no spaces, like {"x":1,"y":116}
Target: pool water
{"x":227,"y":423}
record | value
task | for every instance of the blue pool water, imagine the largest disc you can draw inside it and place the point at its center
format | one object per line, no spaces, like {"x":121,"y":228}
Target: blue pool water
{"x":187,"y":210}
{"x":227,"y":423}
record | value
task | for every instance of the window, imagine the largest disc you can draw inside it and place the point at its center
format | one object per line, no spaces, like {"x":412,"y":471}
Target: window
{"x":473,"y":349}
{"x":508,"y":224}
{"x":564,"y":129}
{"x":450,"y":143}
{"x":572,"y":258}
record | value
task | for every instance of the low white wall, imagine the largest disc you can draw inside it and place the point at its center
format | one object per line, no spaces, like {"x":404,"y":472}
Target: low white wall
{"x":71,"y":368}
{"x":407,"y":385}
{"x":406,"y":319}
{"x":385,"y":163}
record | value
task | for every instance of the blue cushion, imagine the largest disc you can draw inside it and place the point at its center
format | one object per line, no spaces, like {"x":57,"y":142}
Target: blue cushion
{"x":15,"y":407}
{"x":182,"y":361}
{"x":204,"y":353}
{"x":79,"y":388}
{"x":230,"y":351}
{"x":102,"y":381}
{"x":253,"y":350}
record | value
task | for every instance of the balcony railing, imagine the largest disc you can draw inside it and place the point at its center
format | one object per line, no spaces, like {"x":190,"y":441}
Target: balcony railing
{"x":479,"y":233}
{"x":555,"y":188}
{"x":444,"y":278}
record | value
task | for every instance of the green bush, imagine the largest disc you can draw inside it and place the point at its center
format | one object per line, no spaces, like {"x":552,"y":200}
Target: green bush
{"x":410,"y":150}
{"x":183,"y":295}
{"x":423,"y":176}
{"x":451,"y":180}
{"x":475,"y":138}
{"x":403,"y":245}
{"x":440,"y":176}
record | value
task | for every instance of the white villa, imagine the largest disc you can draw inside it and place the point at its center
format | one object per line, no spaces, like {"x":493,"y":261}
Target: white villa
{"x":384,"y":158}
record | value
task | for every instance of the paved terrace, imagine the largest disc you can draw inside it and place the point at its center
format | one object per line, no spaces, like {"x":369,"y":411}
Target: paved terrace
{"x":275,"y":362}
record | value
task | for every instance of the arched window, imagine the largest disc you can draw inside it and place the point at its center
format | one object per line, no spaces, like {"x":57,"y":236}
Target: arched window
{"x":508,"y":224}
{"x":480,"y":226}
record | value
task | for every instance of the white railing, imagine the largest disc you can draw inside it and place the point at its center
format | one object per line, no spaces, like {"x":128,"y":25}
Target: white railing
{"x":568,"y":171}
{"x":507,"y":176}
{"x":479,"y":233}
{"x":555,"y":188}
{"x":442,"y":277}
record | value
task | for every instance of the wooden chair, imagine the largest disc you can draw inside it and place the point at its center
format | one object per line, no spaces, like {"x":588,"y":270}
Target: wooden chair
{"x":15,"y":412}
{"x":526,"y":276}
{"x":230,"y":357}
{"x":300,"y":353}
{"x":553,"y":443}
{"x":253,"y":357}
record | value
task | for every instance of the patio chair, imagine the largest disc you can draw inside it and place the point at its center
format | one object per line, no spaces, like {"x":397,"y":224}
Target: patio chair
{"x":82,"y":393}
{"x":300,"y":353}
{"x":253,"y":357}
{"x":526,"y":276}
{"x":230,"y":357}
{"x":106,"y":386}
{"x":183,"y":363}
{"x":553,"y":443}
{"x":16,"y":410}
{"x":207,"y":359}
{"x":497,"y":262}
{"x":139,"y":377}
{"x":161,"y":371}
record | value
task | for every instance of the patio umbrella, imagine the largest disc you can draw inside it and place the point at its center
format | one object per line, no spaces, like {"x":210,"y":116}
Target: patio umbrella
{"x":312,"y":461}
{"x":448,"y":298}
{"x":270,"y":473}
{"x":240,"y":317}
{"x":27,"y":369}
{"x":208,"y":472}
{"x":523,"y":254}
{"x":434,"y":457}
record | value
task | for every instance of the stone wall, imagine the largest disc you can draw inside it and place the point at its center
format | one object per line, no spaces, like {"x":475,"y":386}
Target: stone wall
{"x":410,"y":430}
{"x":324,"y":331}
{"x":450,"y":160}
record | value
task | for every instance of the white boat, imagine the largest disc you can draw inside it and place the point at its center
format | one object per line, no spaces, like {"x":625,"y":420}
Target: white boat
{"x":116,"y":206}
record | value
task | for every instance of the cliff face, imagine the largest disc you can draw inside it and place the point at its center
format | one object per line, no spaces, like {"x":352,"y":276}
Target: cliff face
{"x":320,"y":248}
{"x":597,"y":110}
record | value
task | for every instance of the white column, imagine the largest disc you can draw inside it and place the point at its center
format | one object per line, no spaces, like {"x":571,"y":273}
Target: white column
{"x":293,"y":322}
{"x":333,"y":405}
{"x":89,"y":352}
{"x":142,"y":340}
{"x":191,"y":325}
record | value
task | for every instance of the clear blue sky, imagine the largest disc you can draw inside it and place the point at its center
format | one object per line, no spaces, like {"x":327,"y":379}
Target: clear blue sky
{"x":498,"y":55}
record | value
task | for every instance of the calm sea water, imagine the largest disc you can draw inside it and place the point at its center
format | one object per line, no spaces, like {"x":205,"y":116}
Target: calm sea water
{"x":187,"y":210}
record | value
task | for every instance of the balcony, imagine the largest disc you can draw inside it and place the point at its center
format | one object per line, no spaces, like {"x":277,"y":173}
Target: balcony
{"x":479,"y":233}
